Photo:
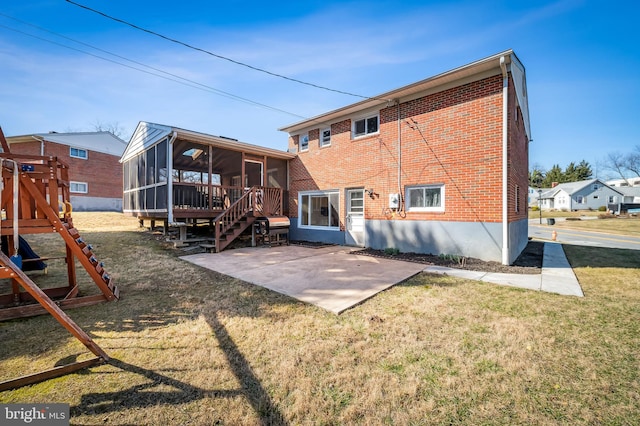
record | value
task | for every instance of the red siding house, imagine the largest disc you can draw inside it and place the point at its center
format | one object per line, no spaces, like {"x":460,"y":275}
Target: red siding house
{"x":95,"y":172}
{"x":438,"y":166}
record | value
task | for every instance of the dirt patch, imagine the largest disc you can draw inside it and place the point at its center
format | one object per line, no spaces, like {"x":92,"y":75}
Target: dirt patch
{"x":529,"y":261}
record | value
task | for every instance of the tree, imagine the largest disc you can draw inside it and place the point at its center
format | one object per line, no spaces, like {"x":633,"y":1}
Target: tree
{"x":114,"y":128}
{"x":536,"y":176}
{"x":554,"y":174}
{"x":624,"y":165}
{"x":583,"y":171}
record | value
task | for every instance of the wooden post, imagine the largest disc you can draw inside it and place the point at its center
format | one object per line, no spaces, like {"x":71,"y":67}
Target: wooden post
{"x":52,"y":308}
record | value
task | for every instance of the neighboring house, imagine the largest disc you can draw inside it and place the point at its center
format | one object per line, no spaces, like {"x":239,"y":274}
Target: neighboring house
{"x":582,"y":195}
{"x":535,"y":196}
{"x":95,"y":173}
{"x":178,"y":176}
{"x":631,"y":195}
{"x":632,"y":181}
{"x":438,"y":166}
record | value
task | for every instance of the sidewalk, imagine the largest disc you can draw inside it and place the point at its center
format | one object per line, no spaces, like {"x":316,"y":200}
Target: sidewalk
{"x":556,"y":277}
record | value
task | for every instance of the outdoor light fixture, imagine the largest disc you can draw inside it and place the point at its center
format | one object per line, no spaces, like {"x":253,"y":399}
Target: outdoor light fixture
{"x":370,"y":192}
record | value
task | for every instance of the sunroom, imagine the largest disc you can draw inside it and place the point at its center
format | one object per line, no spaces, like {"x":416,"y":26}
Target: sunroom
{"x":181,"y":176}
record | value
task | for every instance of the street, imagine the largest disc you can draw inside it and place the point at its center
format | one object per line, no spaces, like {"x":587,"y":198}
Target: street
{"x":584,"y":238}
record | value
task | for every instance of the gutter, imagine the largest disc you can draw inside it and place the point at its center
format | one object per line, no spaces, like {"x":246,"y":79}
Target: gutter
{"x":170,"y":177}
{"x":505,"y":164}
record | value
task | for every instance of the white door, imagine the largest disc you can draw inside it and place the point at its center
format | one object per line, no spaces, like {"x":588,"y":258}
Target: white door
{"x":355,"y":218}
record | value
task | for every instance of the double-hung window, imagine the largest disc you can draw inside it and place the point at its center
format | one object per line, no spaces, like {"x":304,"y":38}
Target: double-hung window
{"x":78,"y":153}
{"x":325,"y":137}
{"x":425,"y":198}
{"x":319,"y":209}
{"x":304,"y":142}
{"x":365,"y":126}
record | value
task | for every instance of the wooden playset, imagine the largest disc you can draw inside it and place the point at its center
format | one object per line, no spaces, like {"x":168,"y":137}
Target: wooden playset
{"x":34,"y":200}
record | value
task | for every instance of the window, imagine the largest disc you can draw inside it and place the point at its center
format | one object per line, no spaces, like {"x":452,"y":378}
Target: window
{"x":427,"y":198}
{"x":304,"y":142}
{"x":78,"y":153}
{"x":325,"y":137}
{"x":613,"y":199}
{"x":580,"y":199}
{"x":365,"y":126}
{"x":78,"y":187}
{"x":319,"y":210}
{"x":517,"y":198}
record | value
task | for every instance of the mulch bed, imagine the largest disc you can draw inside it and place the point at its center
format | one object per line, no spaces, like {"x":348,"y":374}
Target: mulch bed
{"x":529,"y":261}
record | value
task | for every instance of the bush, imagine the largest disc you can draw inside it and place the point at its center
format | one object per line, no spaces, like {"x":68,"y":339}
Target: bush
{"x":535,"y":208}
{"x":391,"y":251}
{"x":606,"y":216}
{"x":602,"y":208}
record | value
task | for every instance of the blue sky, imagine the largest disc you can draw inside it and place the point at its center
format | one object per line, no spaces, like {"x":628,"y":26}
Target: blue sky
{"x":582,"y":60}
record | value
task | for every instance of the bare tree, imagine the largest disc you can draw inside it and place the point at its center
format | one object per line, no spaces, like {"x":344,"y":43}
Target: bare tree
{"x":624,"y":165}
{"x":112,"y":127}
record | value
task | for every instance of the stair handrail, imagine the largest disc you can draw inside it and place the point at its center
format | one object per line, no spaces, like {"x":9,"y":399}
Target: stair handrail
{"x":233,"y":214}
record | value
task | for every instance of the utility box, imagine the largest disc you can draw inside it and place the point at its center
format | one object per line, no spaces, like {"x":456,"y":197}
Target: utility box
{"x":394,"y":201}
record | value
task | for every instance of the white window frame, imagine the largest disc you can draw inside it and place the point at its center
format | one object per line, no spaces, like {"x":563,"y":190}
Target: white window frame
{"x":613,"y":199}
{"x":304,"y":137}
{"x":580,"y":199}
{"x":78,"y":153}
{"x":327,"y":194}
{"x":323,"y":141}
{"x":439,"y":208}
{"x":366,"y":119}
{"x":77,"y":190}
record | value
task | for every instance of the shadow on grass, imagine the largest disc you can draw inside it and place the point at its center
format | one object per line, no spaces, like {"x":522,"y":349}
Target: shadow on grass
{"x":142,"y":395}
{"x":600,"y":257}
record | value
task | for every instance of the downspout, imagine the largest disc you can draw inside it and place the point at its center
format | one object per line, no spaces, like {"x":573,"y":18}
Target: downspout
{"x":400,"y":198}
{"x":505,"y":182}
{"x":41,"y":144}
{"x":170,"y":177}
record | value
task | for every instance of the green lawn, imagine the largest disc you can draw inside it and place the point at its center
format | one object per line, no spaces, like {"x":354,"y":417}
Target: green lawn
{"x":191,"y":346}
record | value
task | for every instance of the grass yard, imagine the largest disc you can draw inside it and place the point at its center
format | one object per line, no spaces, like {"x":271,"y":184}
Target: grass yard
{"x":618,"y":226}
{"x":559,"y":213}
{"x":191,"y":346}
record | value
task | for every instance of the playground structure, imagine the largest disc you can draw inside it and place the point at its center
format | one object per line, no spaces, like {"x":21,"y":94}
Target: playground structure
{"x":34,"y":200}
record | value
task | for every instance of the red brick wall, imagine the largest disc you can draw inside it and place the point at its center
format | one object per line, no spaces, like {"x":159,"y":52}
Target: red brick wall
{"x":518,"y":162}
{"x":101,"y":172}
{"x":457,"y":141}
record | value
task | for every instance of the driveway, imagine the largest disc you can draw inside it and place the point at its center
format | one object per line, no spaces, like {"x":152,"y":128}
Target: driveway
{"x":332,"y":277}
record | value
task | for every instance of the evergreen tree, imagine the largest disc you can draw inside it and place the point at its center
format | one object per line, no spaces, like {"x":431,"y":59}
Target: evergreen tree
{"x":554,"y":174}
{"x":583,"y":171}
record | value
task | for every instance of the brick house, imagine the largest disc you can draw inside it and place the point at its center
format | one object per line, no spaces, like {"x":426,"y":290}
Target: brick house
{"x":438,"y":166}
{"x":95,"y":172}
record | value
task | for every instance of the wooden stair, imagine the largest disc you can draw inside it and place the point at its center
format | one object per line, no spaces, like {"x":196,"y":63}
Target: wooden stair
{"x":255,"y":202}
{"x":104,"y":281}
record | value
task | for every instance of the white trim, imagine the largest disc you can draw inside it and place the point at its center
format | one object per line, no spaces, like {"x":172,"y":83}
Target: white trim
{"x":365,"y":118}
{"x":86,"y":152}
{"x":86,"y":186}
{"x":321,"y":138}
{"x":326,"y":193}
{"x":439,"y":209}
{"x":300,"y":138}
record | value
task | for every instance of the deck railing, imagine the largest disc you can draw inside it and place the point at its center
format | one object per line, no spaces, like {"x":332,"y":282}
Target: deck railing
{"x":217,"y":198}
